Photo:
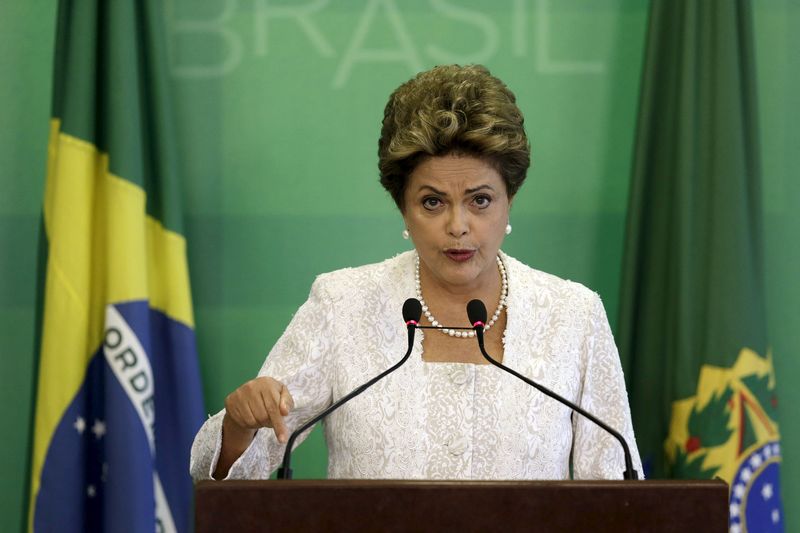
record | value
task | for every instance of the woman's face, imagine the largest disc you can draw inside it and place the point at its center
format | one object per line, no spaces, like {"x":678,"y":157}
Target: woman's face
{"x":456,"y":210}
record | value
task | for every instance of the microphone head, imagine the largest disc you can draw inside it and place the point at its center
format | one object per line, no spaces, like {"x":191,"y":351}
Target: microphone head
{"x":412,"y":311}
{"x":476,"y":312}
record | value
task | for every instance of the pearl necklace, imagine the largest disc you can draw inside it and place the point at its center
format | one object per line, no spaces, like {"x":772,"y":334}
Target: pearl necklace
{"x":452,"y":332}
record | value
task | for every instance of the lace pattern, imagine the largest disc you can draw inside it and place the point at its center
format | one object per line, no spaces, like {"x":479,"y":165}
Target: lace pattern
{"x":443,"y":420}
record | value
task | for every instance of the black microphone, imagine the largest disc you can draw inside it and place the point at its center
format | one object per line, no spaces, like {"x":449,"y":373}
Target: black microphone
{"x":476,"y":312}
{"x":412,"y":312}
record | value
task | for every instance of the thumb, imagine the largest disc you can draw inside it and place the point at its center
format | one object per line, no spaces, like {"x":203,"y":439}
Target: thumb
{"x":286,"y":402}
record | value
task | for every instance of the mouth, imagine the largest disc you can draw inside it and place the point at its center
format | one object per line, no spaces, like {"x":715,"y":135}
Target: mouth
{"x":459,"y":255}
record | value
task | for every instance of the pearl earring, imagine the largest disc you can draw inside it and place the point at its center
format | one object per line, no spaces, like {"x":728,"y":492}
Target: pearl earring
{"x":405,"y":234}
{"x":508,"y":229}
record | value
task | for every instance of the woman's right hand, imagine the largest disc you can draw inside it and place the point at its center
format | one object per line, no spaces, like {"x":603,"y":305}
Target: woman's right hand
{"x":261,"y":402}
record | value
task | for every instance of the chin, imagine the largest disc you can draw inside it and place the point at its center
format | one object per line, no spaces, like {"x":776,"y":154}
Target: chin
{"x":462,"y":274}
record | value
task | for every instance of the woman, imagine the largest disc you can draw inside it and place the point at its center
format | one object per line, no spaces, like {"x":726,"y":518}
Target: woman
{"x":452,"y":153}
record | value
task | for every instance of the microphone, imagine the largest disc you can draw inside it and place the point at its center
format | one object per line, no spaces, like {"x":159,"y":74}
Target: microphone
{"x":412,"y":312}
{"x":476,"y":312}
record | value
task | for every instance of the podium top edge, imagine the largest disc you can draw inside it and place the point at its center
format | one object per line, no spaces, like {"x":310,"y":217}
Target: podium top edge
{"x":462,"y":484}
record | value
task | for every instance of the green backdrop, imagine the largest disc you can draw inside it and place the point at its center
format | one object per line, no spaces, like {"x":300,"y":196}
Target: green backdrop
{"x":278,"y":109}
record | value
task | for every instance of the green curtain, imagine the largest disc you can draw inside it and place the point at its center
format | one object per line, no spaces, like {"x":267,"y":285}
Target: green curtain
{"x":692,"y":329}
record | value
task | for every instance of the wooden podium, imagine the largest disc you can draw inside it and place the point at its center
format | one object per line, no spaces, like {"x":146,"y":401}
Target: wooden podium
{"x":360,"y":505}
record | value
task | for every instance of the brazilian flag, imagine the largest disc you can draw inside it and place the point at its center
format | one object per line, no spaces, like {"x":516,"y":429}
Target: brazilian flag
{"x":119,"y":397}
{"x":692,"y":327}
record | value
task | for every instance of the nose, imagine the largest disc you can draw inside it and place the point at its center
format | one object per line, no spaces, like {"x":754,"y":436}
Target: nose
{"x":457,"y":223}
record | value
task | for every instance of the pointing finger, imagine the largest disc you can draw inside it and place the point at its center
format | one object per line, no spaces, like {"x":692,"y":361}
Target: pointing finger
{"x":272,"y":405}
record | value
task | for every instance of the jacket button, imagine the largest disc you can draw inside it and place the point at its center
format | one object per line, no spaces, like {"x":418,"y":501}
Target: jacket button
{"x":459,"y":376}
{"x":458,"y":446}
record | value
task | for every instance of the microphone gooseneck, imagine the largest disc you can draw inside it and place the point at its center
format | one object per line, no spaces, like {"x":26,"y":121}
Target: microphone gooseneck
{"x":412,"y":312}
{"x":476,"y":312}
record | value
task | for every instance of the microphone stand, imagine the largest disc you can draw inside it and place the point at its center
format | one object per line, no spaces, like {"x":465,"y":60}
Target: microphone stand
{"x":629,"y":473}
{"x":285,"y":472}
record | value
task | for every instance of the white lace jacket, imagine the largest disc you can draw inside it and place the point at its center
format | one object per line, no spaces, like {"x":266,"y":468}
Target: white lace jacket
{"x":443,"y":420}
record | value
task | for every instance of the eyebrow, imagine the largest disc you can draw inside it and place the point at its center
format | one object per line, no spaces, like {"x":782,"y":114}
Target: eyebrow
{"x":466,"y":192}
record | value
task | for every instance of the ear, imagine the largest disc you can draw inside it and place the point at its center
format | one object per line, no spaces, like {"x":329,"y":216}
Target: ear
{"x":403,"y":217}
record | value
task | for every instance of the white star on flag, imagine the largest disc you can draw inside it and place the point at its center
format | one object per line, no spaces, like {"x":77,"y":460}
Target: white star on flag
{"x":746,"y":474}
{"x":766,"y":491}
{"x":755,"y":461}
{"x":767,"y":452}
{"x":99,"y":429}
{"x":734,"y":509}
{"x":736,"y":528}
{"x":738,"y":490}
{"x":776,"y":516}
{"x":79,"y":425}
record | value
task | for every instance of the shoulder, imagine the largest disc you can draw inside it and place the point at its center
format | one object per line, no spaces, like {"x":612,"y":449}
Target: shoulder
{"x":349,"y":283}
{"x":531,"y":287}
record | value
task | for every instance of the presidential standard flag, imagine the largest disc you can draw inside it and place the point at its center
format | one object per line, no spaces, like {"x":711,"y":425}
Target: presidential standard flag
{"x":692,"y":327}
{"x":118,"y":399}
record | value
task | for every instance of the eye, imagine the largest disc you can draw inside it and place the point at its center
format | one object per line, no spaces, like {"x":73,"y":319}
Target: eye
{"x":431,"y":202}
{"x":482,"y":201}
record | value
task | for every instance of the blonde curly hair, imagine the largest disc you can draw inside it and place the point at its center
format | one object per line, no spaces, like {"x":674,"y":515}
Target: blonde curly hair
{"x":452,"y":110}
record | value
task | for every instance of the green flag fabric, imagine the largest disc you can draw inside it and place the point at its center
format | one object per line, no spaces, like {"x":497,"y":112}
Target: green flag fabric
{"x":692,"y":327}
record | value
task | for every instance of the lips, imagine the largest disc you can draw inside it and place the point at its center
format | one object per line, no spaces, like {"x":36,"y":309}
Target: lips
{"x":459,"y":255}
